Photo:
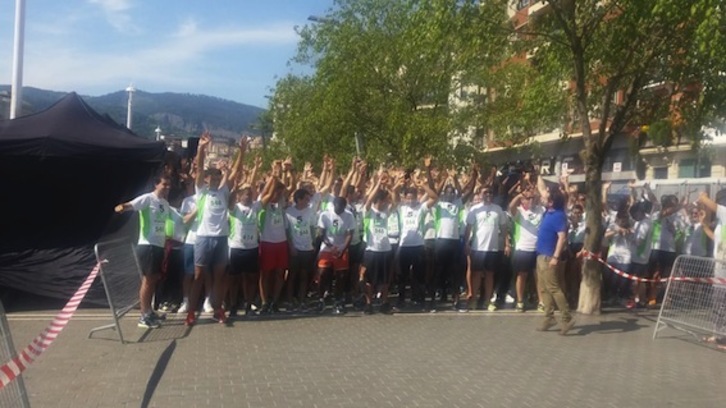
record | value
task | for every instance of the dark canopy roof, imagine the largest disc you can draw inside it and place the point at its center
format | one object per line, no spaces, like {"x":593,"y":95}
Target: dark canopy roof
{"x":71,"y":128}
{"x":63,"y":171}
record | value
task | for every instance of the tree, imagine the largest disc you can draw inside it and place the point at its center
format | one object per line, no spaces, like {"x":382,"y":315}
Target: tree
{"x":613,"y":52}
{"x":384,"y":70}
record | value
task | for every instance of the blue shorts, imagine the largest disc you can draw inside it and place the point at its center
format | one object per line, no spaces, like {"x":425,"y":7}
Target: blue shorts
{"x":211,"y":252}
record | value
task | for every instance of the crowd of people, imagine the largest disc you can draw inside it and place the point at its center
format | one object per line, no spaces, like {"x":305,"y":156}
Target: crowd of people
{"x":257,"y":242}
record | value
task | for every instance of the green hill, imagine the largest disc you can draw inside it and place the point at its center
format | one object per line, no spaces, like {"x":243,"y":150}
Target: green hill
{"x":176,"y":114}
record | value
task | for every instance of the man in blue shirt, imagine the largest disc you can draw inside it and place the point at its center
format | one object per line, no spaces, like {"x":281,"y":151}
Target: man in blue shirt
{"x":551,"y":240}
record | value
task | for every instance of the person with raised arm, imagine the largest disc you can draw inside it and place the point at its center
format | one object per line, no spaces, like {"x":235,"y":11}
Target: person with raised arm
{"x":274,"y":250}
{"x":411,"y":214}
{"x":378,"y":247}
{"x":211,"y":248}
{"x":527,"y":214}
{"x":154,"y":214}
{"x":486,"y":222}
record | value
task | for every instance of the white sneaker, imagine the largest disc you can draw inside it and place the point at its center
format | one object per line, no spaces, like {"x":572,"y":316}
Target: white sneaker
{"x":183,"y":308}
{"x":509,"y":299}
{"x":208,"y":306}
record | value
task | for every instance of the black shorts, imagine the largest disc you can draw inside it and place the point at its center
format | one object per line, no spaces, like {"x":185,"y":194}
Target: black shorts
{"x":303,"y":261}
{"x":662,"y":261}
{"x":244,"y":261}
{"x":524,"y":261}
{"x":355,"y":253}
{"x":376,"y":264}
{"x":640,"y":270}
{"x":485,"y":261}
{"x":150,"y":259}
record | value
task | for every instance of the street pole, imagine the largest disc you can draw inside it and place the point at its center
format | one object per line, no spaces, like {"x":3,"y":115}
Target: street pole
{"x":16,"y":90}
{"x":131,"y":91}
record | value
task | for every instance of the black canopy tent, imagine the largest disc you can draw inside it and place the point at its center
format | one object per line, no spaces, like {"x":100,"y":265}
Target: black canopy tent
{"x":62,"y":171}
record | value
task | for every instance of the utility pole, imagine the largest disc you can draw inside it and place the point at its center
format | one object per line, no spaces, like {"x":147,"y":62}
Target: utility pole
{"x":16,"y":90}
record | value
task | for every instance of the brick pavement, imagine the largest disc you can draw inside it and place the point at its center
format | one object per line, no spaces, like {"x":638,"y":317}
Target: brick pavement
{"x":407,"y":360}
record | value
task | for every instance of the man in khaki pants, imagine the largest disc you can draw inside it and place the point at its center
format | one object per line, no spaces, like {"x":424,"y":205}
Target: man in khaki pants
{"x":551,"y":241}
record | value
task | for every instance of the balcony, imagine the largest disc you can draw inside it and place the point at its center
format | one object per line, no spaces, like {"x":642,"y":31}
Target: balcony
{"x":536,"y":7}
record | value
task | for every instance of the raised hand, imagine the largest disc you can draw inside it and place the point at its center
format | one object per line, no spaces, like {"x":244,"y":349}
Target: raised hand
{"x":205,"y":140}
{"x":427,"y":161}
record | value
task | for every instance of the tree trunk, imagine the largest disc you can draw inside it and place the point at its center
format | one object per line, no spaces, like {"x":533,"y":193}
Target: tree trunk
{"x":591,"y":284}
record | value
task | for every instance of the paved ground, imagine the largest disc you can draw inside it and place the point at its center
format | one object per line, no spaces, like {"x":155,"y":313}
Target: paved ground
{"x":405,"y":360}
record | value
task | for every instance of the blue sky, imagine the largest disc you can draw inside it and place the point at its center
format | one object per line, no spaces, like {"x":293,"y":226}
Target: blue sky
{"x":232,"y":49}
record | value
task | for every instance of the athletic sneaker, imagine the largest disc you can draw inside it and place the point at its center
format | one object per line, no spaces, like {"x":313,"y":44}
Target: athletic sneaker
{"x":191,"y":318}
{"x":148,"y":322}
{"x":158,"y":317}
{"x":368,"y":309}
{"x":184,"y":307}
{"x":520,"y":307}
{"x":339,"y":309}
{"x":219,"y":316}
{"x":492,"y":307}
{"x":208,"y":306}
{"x":540,"y":307}
{"x":630,"y":304}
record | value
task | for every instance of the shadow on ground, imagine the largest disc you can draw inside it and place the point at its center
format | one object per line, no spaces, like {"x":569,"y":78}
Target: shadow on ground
{"x":158,"y":372}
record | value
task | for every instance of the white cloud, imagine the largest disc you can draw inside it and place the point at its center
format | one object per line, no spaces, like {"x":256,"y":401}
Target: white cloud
{"x":117,"y":14}
{"x":171,"y":62}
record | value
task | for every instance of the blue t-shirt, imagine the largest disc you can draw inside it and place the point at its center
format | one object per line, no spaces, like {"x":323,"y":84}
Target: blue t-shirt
{"x":554,"y":221}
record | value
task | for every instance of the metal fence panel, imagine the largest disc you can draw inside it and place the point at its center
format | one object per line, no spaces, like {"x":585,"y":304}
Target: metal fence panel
{"x":14,"y":394}
{"x":121,"y":277}
{"x":696,"y":306}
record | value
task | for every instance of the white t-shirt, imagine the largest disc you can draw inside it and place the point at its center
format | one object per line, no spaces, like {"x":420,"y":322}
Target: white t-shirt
{"x":244,"y":231}
{"x":664,"y":232}
{"x":526,"y":225}
{"x":213,"y":215}
{"x":719,"y":243}
{"x":394,"y":227}
{"x":487,"y":222}
{"x":576,"y":233}
{"x":153,"y":215}
{"x":178,"y":228}
{"x":429,"y":226}
{"x":412,"y":219}
{"x":376,"y":231}
{"x":272,"y":224}
{"x":696,"y":241}
{"x":336,"y":228}
{"x":300,"y":224}
{"x":620,"y":247}
{"x":642,"y":236}
{"x":447,"y":219}
{"x":188,"y":206}
{"x":356,"y":212}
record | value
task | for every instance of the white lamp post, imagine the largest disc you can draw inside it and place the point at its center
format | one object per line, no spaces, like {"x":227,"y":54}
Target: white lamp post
{"x":131,"y":91}
{"x":16,"y":93}
{"x":158,"y":133}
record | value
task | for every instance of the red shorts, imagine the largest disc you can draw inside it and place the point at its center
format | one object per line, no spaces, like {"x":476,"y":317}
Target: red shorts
{"x":327,"y":260}
{"x":273,"y":256}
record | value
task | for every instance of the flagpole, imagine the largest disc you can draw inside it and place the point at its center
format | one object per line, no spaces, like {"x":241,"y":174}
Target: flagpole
{"x":16,"y":90}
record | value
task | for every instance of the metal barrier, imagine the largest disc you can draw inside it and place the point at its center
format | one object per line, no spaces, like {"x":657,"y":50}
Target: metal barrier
{"x":13,"y":394}
{"x":121,"y":276}
{"x":695,"y":298}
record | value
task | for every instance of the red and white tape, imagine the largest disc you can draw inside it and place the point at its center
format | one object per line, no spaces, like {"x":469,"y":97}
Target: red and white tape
{"x":13,"y":368}
{"x":710,"y":281}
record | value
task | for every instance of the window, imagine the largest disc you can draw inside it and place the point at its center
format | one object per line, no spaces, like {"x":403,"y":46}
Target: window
{"x":694,"y":168}
{"x":522,"y":4}
{"x":660,"y":173}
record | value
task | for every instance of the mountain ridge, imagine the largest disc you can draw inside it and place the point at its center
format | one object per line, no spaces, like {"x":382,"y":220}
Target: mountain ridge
{"x":176,"y":114}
